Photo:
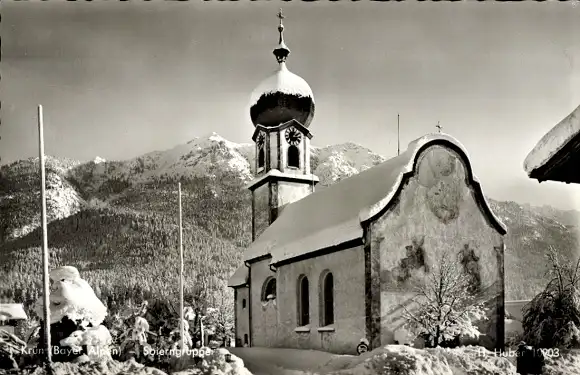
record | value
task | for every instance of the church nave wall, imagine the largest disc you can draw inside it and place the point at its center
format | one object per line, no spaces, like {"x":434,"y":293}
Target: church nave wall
{"x":264,"y":319}
{"x":242,"y":322}
{"x":436,"y":214}
{"x":347,"y":268}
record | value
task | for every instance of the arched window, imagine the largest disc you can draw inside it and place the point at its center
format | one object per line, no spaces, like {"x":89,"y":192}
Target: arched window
{"x":293,"y":156}
{"x":244,"y":303}
{"x":261,"y":157}
{"x":303,"y":301}
{"x":269,"y":289}
{"x":326,"y":299}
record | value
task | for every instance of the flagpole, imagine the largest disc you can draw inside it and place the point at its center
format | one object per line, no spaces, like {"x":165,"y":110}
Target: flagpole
{"x":181,"y":313}
{"x":398,"y":137}
{"x":45,"y":277}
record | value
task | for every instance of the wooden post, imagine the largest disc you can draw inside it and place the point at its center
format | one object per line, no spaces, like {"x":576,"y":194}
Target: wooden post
{"x":202,"y":331}
{"x":45,"y":276}
{"x":181,"y":313}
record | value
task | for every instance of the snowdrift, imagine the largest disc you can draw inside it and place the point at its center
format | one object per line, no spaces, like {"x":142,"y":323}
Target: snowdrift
{"x":110,"y":367}
{"x":214,"y":364}
{"x":568,"y":362}
{"x":404,"y":360}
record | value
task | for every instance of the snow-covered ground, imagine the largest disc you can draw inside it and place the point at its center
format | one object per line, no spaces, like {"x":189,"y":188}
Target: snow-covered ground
{"x":265,"y":361}
{"x":391,"y":359}
{"x":394,"y":359}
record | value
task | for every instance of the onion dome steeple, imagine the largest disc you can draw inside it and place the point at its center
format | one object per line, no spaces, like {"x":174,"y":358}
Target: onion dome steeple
{"x":282,"y":51}
{"x":284,"y":96}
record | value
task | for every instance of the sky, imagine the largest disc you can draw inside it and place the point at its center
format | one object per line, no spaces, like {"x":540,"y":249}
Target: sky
{"x":120,"y":79}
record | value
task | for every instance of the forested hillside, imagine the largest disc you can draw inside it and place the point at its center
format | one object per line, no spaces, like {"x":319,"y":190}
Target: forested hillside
{"x":117,"y":222}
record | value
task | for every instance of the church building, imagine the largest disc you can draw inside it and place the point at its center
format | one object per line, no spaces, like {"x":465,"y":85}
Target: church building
{"x":329,"y":268}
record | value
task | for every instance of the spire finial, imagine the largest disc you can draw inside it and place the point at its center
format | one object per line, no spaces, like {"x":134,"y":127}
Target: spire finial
{"x":439,"y":127}
{"x":281,"y":26}
{"x":281,"y":52}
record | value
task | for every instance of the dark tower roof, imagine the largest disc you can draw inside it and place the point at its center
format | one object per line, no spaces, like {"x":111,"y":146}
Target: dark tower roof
{"x":283,"y":96}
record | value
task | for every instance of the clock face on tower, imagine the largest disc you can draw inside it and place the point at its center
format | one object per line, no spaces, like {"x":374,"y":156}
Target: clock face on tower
{"x":260,"y":140}
{"x":293,"y":136}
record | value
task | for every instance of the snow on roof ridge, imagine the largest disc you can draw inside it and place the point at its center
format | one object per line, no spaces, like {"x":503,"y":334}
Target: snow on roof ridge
{"x":338,"y":234}
{"x":396,"y":168}
{"x":553,"y":141}
{"x":239,"y":277}
{"x":413,"y":149}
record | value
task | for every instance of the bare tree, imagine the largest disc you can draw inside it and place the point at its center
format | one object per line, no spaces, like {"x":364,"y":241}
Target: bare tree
{"x":221,"y":316}
{"x":552,"y":318}
{"x":446,"y":308}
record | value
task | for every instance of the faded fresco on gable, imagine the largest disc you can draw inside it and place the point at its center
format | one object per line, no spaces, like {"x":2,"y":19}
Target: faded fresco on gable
{"x":437,"y":214}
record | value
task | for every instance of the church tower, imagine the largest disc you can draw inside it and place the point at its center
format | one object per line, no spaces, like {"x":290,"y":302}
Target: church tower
{"x":282,"y":107}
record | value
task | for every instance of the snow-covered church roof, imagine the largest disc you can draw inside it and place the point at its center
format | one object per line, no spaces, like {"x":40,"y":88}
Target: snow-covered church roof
{"x":554,"y":141}
{"x":327,"y":218}
{"x":240,"y":277}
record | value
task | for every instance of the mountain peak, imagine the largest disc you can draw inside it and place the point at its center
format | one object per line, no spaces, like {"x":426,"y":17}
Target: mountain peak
{"x":212,"y":138}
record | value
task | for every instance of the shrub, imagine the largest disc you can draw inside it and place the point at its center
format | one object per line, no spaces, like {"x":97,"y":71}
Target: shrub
{"x":552,"y":318}
{"x":446,"y":308}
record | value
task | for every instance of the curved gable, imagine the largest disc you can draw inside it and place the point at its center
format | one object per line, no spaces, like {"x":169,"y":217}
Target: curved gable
{"x":337,"y":214}
{"x":417,"y":150}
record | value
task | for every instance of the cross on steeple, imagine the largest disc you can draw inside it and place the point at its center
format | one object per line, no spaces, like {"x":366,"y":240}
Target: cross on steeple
{"x":281,"y":26}
{"x":439,"y":127}
{"x":281,"y":52}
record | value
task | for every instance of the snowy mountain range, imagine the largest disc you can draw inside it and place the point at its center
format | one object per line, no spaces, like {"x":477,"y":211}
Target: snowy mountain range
{"x":213,"y":172}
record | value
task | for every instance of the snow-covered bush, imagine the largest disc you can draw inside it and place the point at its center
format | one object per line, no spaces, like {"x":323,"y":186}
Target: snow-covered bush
{"x":97,"y":340}
{"x":552,"y":318}
{"x":129,"y":331}
{"x":567,"y":362}
{"x":134,"y":343}
{"x":218,"y":362}
{"x":72,"y":297}
{"x":445,"y":309}
{"x":220,"y":322}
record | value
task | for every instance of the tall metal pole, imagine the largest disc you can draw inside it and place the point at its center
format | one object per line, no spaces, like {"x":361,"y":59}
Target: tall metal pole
{"x":181,"y":325}
{"x":398,"y":137}
{"x":45,"y":277}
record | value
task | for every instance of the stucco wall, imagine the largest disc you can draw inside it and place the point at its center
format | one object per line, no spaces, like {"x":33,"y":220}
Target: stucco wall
{"x":347,"y":267}
{"x":288,"y":192}
{"x":261,"y":208}
{"x":306,"y":150}
{"x":242,"y":315}
{"x":263,"y":321}
{"x":271,"y":145}
{"x":436,"y":213}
